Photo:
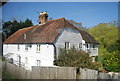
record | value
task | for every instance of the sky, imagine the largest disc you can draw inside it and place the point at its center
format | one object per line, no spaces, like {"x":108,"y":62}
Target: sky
{"x":87,"y":13}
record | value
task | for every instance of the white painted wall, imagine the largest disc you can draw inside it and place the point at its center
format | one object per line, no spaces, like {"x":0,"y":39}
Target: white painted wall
{"x":46,"y":54}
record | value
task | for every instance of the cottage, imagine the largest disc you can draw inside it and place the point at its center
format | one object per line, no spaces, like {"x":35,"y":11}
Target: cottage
{"x":39,"y":45}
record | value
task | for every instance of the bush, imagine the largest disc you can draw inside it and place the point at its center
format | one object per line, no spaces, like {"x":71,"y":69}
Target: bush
{"x":76,"y":58}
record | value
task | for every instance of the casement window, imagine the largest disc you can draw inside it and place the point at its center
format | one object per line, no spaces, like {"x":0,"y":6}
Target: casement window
{"x":80,"y":45}
{"x":38,"y":63}
{"x":18,"y":47}
{"x":19,"y":59}
{"x":67,"y":45}
{"x":93,"y":45}
{"x":26,"y":60}
{"x":87,"y":45}
{"x":26,"y":47}
{"x":38,"y":48}
{"x":25,"y":36}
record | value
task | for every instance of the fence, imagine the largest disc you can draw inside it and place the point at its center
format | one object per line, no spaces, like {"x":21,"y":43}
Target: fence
{"x":56,"y":73}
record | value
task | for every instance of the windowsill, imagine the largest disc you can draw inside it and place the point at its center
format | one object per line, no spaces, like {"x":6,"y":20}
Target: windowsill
{"x":37,"y":51}
{"x":26,"y":50}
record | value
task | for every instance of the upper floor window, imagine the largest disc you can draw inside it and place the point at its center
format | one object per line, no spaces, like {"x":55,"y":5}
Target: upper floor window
{"x":80,"y":45}
{"x":18,"y":47}
{"x":38,"y":48}
{"x":67,"y":45}
{"x":87,"y":45}
{"x":93,"y":46}
{"x":26,"y":47}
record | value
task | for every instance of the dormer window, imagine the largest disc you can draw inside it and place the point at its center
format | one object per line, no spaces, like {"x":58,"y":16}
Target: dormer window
{"x":25,"y":36}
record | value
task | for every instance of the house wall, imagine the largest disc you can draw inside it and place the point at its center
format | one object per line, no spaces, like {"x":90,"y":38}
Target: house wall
{"x":74,"y":38}
{"x":45,"y":55}
{"x":71,"y":36}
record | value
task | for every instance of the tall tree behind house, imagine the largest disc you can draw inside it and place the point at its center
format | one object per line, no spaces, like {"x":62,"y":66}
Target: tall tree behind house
{"x":11,"y":27}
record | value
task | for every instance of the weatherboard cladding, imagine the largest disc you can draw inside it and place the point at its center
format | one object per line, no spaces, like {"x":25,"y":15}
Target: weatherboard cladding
{"x":46,"y":33}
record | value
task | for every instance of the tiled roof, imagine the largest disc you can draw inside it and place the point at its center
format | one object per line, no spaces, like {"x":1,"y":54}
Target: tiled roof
{"x":45,"y":33}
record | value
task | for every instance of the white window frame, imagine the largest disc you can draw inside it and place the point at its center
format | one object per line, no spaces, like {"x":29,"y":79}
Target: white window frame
{"x":67,"y":45}
{"x":38,"y":48}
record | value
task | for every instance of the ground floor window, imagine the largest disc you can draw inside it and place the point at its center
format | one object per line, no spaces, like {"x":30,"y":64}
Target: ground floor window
{"x":80,"y":45}
{"x":19,"y":60}
{"x":11,"y":60}
{"x":38,"y":62}
{"x":26,"y":60}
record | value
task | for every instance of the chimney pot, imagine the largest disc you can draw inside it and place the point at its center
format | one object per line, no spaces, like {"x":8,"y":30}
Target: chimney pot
{"x":43,"y":17}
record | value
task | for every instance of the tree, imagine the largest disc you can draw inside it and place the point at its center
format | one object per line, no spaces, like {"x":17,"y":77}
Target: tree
{"x":109,"y":53}
{"x":76,"y":58}
{"x":111,"y":61}
{"x":78,"y":25}
{"x":11,"y":27}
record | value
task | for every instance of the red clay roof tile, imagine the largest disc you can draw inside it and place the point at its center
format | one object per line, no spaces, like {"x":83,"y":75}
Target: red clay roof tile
{"x":45,"y":33}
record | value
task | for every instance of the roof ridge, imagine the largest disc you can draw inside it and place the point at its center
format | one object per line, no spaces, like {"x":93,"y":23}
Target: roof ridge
{"x":56,"y":19}
{"x":28,"y":27}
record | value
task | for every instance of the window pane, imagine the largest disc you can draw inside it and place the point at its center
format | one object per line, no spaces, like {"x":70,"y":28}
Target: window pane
{"x":18,"y":47}
{"x":93,"y":45}
{"x":80,"y":45}
{"x":26,"y":47}
{"x":38,"y":62}
{"x":67,"y":45}
{"x":38,"y":48}
{"x":87,"y":45}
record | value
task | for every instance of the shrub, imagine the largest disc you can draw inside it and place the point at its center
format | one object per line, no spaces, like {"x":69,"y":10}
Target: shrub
{"x":76,"y":58}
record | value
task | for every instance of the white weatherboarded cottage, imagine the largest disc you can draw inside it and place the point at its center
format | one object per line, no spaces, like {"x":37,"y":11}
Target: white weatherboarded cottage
{"x":39,"y":45}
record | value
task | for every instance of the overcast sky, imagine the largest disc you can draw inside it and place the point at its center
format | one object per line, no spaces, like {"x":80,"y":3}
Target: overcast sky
{"x":88,"y":13}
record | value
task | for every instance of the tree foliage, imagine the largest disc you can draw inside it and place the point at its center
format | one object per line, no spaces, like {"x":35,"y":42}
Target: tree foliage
{"x":78,"y":25}
{"x":11,"y":27}
{"x":76,"y":58}
{"x":109,"y":47}
{"x":111,"y":61}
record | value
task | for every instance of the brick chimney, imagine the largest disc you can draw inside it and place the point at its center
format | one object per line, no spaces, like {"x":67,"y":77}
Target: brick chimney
{"x":43,"y":17}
